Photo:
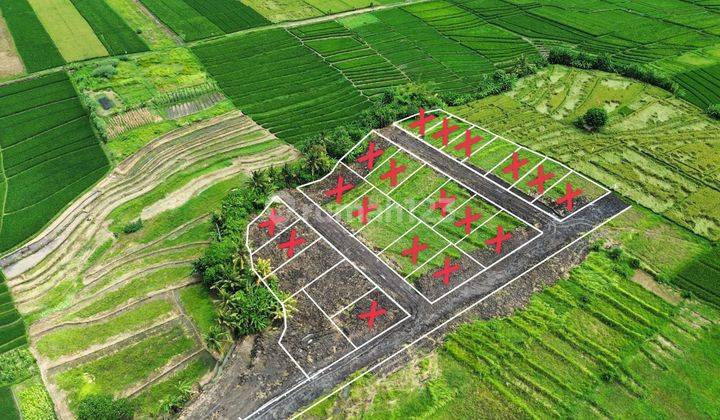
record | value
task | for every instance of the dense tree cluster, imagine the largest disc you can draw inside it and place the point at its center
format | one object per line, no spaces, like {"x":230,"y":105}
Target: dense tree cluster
{"x":604,"y":62}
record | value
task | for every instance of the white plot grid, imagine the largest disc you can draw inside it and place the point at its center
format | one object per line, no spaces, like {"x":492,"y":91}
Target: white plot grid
{"x":489,"y":141}
{"x":332,"y":318}
{"x":392,"y":204}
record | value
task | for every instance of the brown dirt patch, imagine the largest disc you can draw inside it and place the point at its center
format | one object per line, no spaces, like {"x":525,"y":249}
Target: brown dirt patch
{"x":647,"y":281}
{"x":10,"y":63}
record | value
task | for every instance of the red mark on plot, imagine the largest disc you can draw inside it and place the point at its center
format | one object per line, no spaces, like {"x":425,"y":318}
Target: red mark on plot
{"x":421,"y":121}
{"x":443,"y":202}
{"x":414,"y":250}
{"x":339,"y":189}
{"x":515,"y":166}
{"x":370,"y":155}
{"x":468,"y":220}
{"x":468,"y":143}
{"x":292,"y":243}
{"x":272,"y":221}
{"x":363,"y":211}
{"x":445,"y":132}
{"x":446,"y":271}
{"x":498,"y":239}
{"x":540,"y":180}
{"x":569,"y":196}
{"x":373,"y":313}
{"x":393,"y":173}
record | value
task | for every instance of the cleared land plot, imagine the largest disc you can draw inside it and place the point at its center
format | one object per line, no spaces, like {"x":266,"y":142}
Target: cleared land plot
{"x":281,"y":84}
{"x":110,"y":28}
{"x":32,"y":41}
{"x":46,"y":163}
{"x":549,"y":185}
{"x":328,"y":293}
{"x":419,"y":221}
{"x":71,"y":33}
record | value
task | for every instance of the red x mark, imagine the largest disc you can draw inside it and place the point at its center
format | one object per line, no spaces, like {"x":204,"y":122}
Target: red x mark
{"x":393,"y":173}
{"x":373,"y":313}
{"x":363,"y":211}
{"x":293,"y":242}
{"x":569,"y":196}
{"x":515,"y":166}
{"x":498,"y":239}
{"x":272,"y":221}
{"x":339,"y":189}
{"x":445,"y":132}
{"x":468,"y":220}
{"x":540,"y":180}
{"x":421,"y":121}
{"x":443,"y":202}
{"x":446,"y":271}
{"x":468,"y":143}
{"x":370,"y":155}
{"x":414,"y":250}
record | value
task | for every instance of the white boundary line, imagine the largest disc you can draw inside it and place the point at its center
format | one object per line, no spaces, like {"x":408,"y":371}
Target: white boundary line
{"x":302,"y":289}
{"x":330,"y":319}
{"x":527,"y":173}
{"x":277,"y":199}
{"x":551,"y":214}
{"x":340,"y":163}
{"x":422,"y":337}
{"x":349,"y":305}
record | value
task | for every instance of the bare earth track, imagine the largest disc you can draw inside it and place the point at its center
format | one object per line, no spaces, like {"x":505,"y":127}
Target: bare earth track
{"x":278,"y":390}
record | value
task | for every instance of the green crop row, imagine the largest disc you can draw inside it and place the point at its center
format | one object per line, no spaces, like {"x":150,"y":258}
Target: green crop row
{"x":228,"y":15}
{"x":111,"y":29}
{"x":702,"y":277}
{"x":182,"y":19}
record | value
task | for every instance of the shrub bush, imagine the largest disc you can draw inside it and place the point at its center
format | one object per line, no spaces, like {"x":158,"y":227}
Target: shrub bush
{"x":714,"y":111}
{"x":105,"y":71}
{"x":133,"y":227}
{"x":104,"y":407}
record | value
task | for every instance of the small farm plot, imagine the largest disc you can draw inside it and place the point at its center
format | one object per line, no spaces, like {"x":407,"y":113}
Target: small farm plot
{"x":331,"y":308}
{"x":432,"y":230}
{"x":550,"y":186}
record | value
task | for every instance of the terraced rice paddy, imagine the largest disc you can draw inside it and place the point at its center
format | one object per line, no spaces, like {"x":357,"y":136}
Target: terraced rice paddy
{"x":281,"y":84}
{"x":12,"y":327}
{"x":595,"y":344}
{"x":47,"y":163}
{"x":658,"y":151}
{"x":99,"y":303}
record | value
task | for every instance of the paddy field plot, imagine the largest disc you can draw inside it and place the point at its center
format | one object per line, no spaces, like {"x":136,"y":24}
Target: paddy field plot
{"x":49,"y":154}
{"x":114,"y":33}
{"x":70,"y":32}
{"x":195,"y":19}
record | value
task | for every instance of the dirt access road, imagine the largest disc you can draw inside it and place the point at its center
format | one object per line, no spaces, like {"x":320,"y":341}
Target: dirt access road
{"x":260,"y":382}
